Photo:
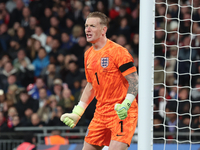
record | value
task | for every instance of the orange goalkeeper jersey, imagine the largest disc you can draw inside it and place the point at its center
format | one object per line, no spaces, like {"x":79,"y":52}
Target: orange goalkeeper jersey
{"x":105,"y":70}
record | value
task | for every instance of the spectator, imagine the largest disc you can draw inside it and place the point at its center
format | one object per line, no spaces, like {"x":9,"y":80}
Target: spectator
{"x":12,"y":111}
{"x":78,"y":94}
{"x":170,"y":65}
{"x":31,"y":51}
{"x":158,"y":125}
{"x":55,"y":48}
{"x":41,"y":61}
{"x":77,"y":31}
{"x":162,"y":100}
{"x":14,"y":48}
{"x":62,"y":16}
{"x":185,"y":67}
{"x":30,"y":29}
{"x":21,"y":37}
{"x":69,"y":22}
{"x":45,"y":20}
{"x":49,"y":74}
{"x":34,"y":91}
{"x":12,"y":95}
{"x":2,"y":122}
{"x":4,"y":36}
{"x":186,"y":24}
{"x":26,"y":102}
{"x":158,"y":71}
{"x":21,"y":56}
{"x":4,"y":59}
{"x":124,"y":13}
{"x":55,"y":116}
{"x":37,"y":8}
{"x":195,"y":93}
{"x":26,"y":120}
{"x":124,"y":29}
{"x":6,"y":72}
{"x":36,"y":121}
{"x":54,"y":22}
{"x":15,"y":123}
{"x":100,"y":6}
{"x":82,"y":18}
{"x":65,"y":68}
{"x":172,"y":119}
{"x":13,"y":30}
{"x":135,"y":20}
{"x":183,"y":101}
{"x":16,"y":14}
{"x":49,"y":44}
{"x":159,"y":37}
{"x":195,"y":123}
{"x":183,"y":127}
{"x":54,"y":32}
{"x":114,"y":11}
{"x":135,"y":44}
{"x":3,"y":103}
{"x":25,"y":17}
{"x":43,"y":97}
{"x":121,"y":40}
{"x":12,"y":80}
{"x":57,"y":88}
{"x":44,"y":110}
{"x":174,"y":90}
{"x":26,"y":73}
{"x":73,"y":75}
{"x":66,"y":43}
{"x":196,"y":76}
{"x":78,"y":50}
{"x":39,"y":35}
{"x":60,"y":59}
{"x":130,"y":50}
{"x":77,"y":7}
{"x":67,"y":101}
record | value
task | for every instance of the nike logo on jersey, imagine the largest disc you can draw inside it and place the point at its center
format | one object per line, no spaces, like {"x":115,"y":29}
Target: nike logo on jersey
{"x":119,"y":135}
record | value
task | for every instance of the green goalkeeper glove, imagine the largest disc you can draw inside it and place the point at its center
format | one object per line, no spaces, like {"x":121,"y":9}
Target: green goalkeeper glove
{"x":71,"y":119}
{"x":122,"y":109}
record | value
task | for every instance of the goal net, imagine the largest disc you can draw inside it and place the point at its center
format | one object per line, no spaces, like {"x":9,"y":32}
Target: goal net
{"x":177,"y":73}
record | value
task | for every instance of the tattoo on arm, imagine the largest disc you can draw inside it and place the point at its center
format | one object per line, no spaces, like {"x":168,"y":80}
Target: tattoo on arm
{"x":133,"y":83}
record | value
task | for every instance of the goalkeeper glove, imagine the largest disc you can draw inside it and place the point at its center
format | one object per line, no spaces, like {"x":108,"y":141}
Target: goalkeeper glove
{"x":122,"y":109}
{"x":71,"y":119}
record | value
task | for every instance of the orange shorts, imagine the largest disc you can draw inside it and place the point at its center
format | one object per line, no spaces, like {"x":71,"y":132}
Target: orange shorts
{"x":103,"y":129}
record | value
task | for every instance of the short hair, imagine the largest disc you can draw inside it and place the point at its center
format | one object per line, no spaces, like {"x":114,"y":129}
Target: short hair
{"x":102,"y":16}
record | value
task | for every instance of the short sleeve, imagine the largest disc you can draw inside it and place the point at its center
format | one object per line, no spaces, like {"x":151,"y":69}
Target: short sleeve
{"x":124,"y":61}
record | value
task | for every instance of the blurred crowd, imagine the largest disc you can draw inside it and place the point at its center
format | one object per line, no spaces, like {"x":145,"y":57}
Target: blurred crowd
{"x":177,"y":69}
{"x":42,"y":45}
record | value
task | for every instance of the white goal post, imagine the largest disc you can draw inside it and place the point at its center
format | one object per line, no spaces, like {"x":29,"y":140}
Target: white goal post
{"x":169,"y":75}
{"x":145,"y":93}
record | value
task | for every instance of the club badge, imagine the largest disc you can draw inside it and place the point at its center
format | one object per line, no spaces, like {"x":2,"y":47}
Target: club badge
{"x":104,"y":62}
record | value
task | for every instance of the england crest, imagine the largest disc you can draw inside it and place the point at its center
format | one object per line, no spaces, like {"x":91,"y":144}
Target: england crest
{"x":104,"y":62}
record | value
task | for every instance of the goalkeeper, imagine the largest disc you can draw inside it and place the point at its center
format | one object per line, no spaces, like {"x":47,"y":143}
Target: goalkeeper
{"x":113,"y":80}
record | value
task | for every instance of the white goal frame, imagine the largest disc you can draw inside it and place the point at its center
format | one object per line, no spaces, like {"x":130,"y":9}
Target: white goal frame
{"x":146,"y":70}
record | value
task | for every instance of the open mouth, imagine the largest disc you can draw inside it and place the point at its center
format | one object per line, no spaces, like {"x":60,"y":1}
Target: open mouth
{"x":89,"y":35}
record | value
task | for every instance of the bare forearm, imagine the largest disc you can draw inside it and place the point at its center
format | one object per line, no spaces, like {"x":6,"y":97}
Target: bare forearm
{"x":88,"y":94}
{"x":133,"y":83}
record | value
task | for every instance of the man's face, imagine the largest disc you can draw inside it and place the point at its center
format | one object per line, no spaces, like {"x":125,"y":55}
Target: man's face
{"x":93,"y":29}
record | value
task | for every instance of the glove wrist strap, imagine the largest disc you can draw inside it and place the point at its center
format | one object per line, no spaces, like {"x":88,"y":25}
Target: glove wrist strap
{"x":130,"y":97}
{"x":78,"y":110}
